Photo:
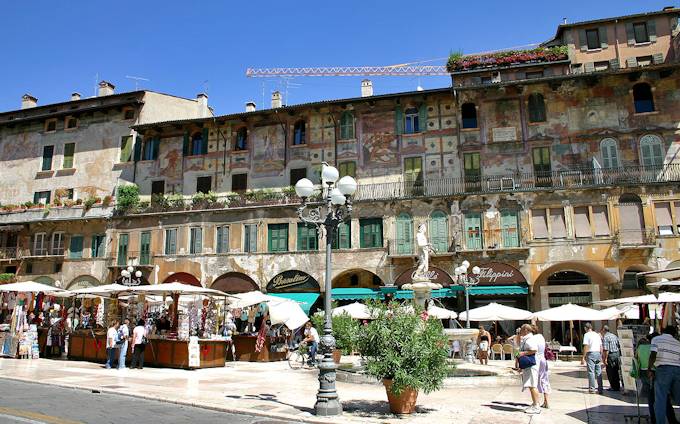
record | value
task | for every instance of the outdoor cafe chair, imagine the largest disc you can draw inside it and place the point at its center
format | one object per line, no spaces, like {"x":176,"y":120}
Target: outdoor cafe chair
{"x":507,"y":350}
{"x":497,"y":349}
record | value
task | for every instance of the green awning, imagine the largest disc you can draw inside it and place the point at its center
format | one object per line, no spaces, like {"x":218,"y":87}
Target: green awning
{"x":408,"y":294}
{"x":510,"y":290}
{"x":305,"y":300}
{"x":354,"y":293}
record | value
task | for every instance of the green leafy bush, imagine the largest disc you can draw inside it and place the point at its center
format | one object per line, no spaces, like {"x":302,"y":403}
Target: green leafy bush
{"x":89,"y":202}
{"x":128,"y":197}
{"x":399,"y":345}
{"x":7,"y":278}
{"x":176,"y":201}
{"x":345,"y":331}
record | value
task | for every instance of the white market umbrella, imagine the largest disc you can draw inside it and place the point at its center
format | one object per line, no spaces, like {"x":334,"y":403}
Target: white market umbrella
{"x":105,"y":290}
{"x":646,"y":299}
{"x":570,"y":312}
{"x":615,"y":312}
{"x":30,"y":287}
{"x":243,"y":300}
{"x":175,"y":288}
{"x":288,"y":313}
{"x":355,"y":310}
{"x":441,"y":313}
{"x":496,"y":312}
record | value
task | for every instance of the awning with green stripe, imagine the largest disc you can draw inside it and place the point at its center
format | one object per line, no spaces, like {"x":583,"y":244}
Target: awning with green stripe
{"x":305,"y":300}
{"x":354,"y":293}
{"x":510,"y":290}
{"x":408,"y":294}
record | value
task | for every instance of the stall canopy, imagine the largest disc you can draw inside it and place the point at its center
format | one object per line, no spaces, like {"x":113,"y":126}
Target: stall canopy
{"x":658,"y":284}
{"x":446,"y":292}
{"x":175,"y":288}
{"x":570,"y":312}
{"x":29,"y":287}
{"x":354,"y":293}
{"x":623,"y":311}
{"x":288,"y":313}
{"x":510,"y":290}
{"x":105,"y":290}
{"x":243,"y":300}
{"x":441,"y":313}
{"x":305,"y":300}
{"x":355,"y":310}
{"x":497,"y":312}
{"x":644,"y":299}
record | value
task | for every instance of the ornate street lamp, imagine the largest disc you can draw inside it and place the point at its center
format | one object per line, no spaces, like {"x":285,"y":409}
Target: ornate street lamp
{"x":130,"y":277}
{"x":334,"y":209}
{"x":466,"y":280}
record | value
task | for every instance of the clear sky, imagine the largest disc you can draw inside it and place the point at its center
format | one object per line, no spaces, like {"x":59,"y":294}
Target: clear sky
{"x":52,"y":48}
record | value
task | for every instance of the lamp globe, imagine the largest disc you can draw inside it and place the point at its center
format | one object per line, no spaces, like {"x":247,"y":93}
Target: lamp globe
{"x":304,"y":188}
{"x":347,"y":185}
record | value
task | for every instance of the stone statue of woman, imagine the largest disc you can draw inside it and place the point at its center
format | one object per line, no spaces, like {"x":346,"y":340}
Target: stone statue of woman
{"x":424,"y":249}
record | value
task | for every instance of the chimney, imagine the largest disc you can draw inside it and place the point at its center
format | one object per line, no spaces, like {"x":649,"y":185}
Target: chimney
{"x":276,"y":99}
{"x":203,"y":111}
{"x":75,"y":96}
{"x":366,"y":88}
{"x":105,"y":89}
{"x":250,"y":107}
{"x":28,"y":101}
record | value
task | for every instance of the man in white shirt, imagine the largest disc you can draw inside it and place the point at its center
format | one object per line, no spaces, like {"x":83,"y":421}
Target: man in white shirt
{"x":138,"y":345}
{"x":665,"y":355}
{"x":592,"y":357}
{"x":124,"y":336}
{"x":311,"y":338}
{"x":111,"y":339}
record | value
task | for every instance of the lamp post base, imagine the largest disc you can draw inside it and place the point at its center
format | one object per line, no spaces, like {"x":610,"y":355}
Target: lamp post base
{"x":327,"y":400}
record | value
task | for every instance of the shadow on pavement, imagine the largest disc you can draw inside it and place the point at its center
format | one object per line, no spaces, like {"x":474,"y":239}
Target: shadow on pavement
{"x":375,"y":408}
{"x":507,"y":406}
{"x":267,"y":397}
{"x":573,"y":374}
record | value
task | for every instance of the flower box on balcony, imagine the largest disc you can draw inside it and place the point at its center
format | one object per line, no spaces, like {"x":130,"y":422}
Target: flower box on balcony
{"x":457,"y":62}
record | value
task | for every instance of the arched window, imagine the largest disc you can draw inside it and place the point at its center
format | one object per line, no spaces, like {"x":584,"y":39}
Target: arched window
{"x":536,"y":108}
{"x":197,"y":144}
{"x":241,"y":139}
{"x":346,"y":126}
{"x":642,"y":98}
{"x":299,"y":133}
{"x":404,"y":234}
{"x":610,"y":153}
{"x":469,"y":114}
{"x":439,"y":231}
{"x":411,"y":124}
{"x":651,"y":151}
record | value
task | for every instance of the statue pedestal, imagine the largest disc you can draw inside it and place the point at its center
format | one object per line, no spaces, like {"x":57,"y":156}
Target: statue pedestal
{"x":422,"y":289}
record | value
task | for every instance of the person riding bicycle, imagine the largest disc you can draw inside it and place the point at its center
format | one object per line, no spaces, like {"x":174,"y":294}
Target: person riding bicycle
{"x":312,"y":339}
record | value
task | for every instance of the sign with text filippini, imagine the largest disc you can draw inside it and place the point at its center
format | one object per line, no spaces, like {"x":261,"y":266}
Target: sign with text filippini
{"x":500,"y":274}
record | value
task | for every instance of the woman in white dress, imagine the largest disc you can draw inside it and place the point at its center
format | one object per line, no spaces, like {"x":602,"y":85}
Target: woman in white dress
{"x":529,"y":348}
{"x":543,"y":371}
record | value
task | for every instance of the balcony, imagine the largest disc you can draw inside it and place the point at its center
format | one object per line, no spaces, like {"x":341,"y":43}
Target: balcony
{"x":10,"y":253}
{"x":636,"y":239}
{"x":139,"y":259}
{"x":458,"y":63}
{"x":493,"y":240}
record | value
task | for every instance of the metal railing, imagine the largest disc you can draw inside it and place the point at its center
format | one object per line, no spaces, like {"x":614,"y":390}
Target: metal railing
{"x":636,"y":238}
{"x":10,"y":253}
{"x":499,"y":239}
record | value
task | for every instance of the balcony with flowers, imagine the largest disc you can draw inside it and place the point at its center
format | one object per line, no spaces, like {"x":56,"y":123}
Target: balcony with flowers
{"x":458,"y":62}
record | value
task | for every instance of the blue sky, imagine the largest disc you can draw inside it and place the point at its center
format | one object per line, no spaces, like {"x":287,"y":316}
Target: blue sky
{"x":52,"y":48}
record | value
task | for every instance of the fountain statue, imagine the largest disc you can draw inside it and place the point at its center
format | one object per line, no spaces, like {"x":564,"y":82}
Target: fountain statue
{"x":421,"y":283}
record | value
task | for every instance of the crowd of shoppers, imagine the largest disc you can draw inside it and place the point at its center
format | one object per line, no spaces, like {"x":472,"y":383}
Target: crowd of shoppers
{"x":117,"y":343}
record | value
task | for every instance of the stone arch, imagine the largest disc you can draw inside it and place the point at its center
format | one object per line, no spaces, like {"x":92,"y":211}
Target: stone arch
{"x":235,"y":282}
{"x":596,"y":273}
{"x":184,"y":278}
{"x":43,"y":279}
{"x":357,"y":277}
{"x":629,"y":278}
{"x":674,"y":264}
{"x":82,"y":281}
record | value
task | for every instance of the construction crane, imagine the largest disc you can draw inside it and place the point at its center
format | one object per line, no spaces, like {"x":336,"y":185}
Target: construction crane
{"x":349,"y":71}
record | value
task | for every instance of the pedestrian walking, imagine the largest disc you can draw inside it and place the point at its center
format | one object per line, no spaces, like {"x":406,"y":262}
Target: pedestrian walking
{"x":611,"y":356}
{"x":642,"y":356}
{"x":138,"y":345}
{"x":665,"y":356}
{"x":592,"y":358}
{"x":123,"y":336}
{"x":529,"y":366}
{"x":111,"y":344}
{"x":543,"y":386}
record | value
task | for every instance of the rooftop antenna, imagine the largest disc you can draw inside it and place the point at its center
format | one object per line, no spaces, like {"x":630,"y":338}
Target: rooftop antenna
{"x":206,"y":86}
{"x":564,"y":21}
{"x":287,"y":82}
{"x":96,"y":83}
{"x":136,"y":79}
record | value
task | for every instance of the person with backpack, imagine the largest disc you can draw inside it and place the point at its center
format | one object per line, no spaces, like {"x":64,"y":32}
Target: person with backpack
{"x":123,"y":336}
{"x":542,"y":359}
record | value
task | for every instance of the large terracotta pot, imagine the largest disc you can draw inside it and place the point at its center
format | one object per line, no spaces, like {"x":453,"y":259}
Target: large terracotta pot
{"x":337,"y":355}
{"x":405,"y":402}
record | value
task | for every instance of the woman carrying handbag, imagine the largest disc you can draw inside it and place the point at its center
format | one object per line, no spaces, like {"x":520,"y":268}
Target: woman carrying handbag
{"x":526,"y":359}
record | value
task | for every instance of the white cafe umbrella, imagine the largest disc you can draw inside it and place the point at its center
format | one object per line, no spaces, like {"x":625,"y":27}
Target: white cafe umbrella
{"x":615,"y":312}
{"x":105,"y":290}
{"x":570,"y":312}
{"x":243,"y":300}
{"x":355,"y":310}
{"x":288,"y":313}
{"x":440,"y":313}
{"x":646,"y":299}
{"x":175,"y":288}
{"x":496,"y":312}
{"x":29,"y":287}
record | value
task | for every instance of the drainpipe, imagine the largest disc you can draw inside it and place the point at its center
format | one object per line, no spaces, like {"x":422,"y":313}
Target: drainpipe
{"x":616,"y":41}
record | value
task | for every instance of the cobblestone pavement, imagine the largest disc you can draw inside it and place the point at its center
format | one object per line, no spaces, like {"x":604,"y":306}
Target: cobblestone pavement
{"x":274,"y":390}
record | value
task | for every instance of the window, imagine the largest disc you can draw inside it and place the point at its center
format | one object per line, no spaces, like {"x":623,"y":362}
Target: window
{"x":158,"y":187}
{"x":439,"y":231}
{"x":71,"y":123}
{"x":278,"y":237}
{"x":198,"y":144}
{"x":343,"y":236}
{"x":239,"y":182}
{"x":610,"y":153}
{"x":472,"y":171}
{"x":307,"y":237}
{"x":250,"y":238}
{"x":48,"y":152}
{"x":582,"y":222}
{"x":196,"y":241}
{"x":98,"y":245}
{"x":469,"y":115}
{"x":70,"y":194}
{"x":548,"y":223}
{"x":203,"y":184}
{"x":170,"y":241}
{"x":539,"y":224}
{"x":39,"y":248}
{"x":411,"y":124}
{"x":69,"y":151}
{"x":145,"y":248}
{"x":75,"y":250}
{"x":601,"y":66}
{"x":404,"y":234}
{"x":299,"y":133}
{"x":348,"y":168}
{"x":151,"y":149}
{"x":651,"y":151}
{"x":593,"y":39}
{"x":642,"y":98}
{"x":509,"y":229}
{"x":486,"y":80}
{"x":536,"y":105}
{"x":129,"y":113}
{"x":58,"y":244}
{"x":346,"y":126}
{"x":370,"y":233}
{"x":413,"y":169}
{"x":241,"y":139}
{"x":222,"y":239}
{"x":126,"y":148}
{"x":601,"y":220}
{"x":558,"y":228}
{"x":296,"y":174}
{"x":664,"y":221}
{"x":533,"y":74}
{"x":473,"y":231}
{"x":631,"y":280}
{"x":122,"y":249}
{"x":644,"y":60}
{"x":641,"y":33}
{"x":542,"y":167}
{"x":51,"y":125}
{"x":41,"y":198}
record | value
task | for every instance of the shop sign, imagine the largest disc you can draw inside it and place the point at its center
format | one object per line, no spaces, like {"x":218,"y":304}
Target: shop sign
{"x":499,"y":273}
{"x":293,"y":281}
{"x":436,"y":275}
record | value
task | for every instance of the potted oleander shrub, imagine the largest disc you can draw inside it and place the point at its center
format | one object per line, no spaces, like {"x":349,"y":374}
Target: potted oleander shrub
{"x":407,"y":352}
{"x":127,"y":197}
{"x":345,"y":331}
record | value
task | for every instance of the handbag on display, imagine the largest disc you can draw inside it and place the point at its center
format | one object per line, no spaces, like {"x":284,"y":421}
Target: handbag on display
{"x":527,"y":361}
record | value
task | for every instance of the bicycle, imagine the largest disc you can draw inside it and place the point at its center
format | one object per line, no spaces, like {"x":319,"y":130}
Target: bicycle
{"x":298,"y":357}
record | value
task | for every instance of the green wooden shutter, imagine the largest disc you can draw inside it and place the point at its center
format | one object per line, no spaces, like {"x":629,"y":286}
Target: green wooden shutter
{"x":126,"y":148}
{"x":253,"y":238}
{"x":439,"y":231}
{"x":602,"y":32}
{"x":509,"y":230}
{"x":404,"y":234}
{"x":630,"y":34}
{"x":145,"y":248}
{"x":94,"y":247}
{"x":473,"y":231}
{"x":398,"y":120}
{"x":583,"y":40}
{"x":204,"y":146}
{"x":76,"y":247}
{"x":48,"y":152}
{"x":69,"y":151}
{"x":344,"y":235}
{"x":138,"y":149}
{"x":646,"y":151}
{"x":422,"y":118}
{"x":186,"y":144}
{"x":122,"y":249}
{"x":651,"y":30}
{"x":220,"y":243}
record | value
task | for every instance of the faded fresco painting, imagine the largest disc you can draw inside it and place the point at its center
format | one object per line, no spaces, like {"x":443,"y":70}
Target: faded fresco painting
{"x":379,"y":143}
{"x":269,"y":150}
